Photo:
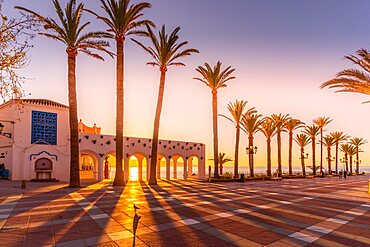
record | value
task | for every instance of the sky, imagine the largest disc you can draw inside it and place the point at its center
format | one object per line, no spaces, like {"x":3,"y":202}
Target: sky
{"x":282,"y":51}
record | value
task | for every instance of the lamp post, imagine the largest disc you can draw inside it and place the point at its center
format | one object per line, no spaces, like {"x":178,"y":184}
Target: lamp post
{"x":330,"y":159}
{"x":344,"y":161}
{"x":7,"y":135}
{"x":250,"y":150}
{"x":358,"y":162}
{"x":302,"y":158}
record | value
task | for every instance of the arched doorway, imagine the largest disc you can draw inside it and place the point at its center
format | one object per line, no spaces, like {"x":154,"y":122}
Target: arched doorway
{"x":161,"y":167}
{"x":88,"y":166}
{"x":193,"y":166}
{"x":137,"y":167}
{"x":177,"y":167}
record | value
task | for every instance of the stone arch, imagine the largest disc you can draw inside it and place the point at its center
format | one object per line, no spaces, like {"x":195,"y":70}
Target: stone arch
{"x":89,"y":164}
{"x":193,"y":165}
{"x":141,"y":161}
{"x":162,"y":164}
{"x":176,"y":168}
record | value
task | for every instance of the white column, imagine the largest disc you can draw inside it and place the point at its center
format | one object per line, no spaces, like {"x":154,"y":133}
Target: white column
{"x":100,"y":169}
{"x":185,"y":168}
{"x":201,"y":168}
{"x":140,"y":168}
{"x":126,"y":170}
{"x":147,"y":169}
{"x":168,"y":168}
{"x":158,"y":168}
{"x":190,"y":166}
{"x":175,"y":167}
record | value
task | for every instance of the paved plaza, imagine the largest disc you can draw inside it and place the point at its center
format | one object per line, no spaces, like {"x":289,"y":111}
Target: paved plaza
{"x":301,"y":212}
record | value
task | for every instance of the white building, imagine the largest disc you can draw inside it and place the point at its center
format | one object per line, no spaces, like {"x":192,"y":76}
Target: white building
{"x":34,"y":143}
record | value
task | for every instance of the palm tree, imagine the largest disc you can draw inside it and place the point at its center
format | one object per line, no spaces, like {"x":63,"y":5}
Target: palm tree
{"x":279,"y":121}
{"x":165,"y":51}
{"x":351,"y":152}
{"x":123,"y":20}
{"x":290,"y":126}
{"x":70,"y":32}
{"x":223,"y":159}
{"x":302,"y":140}
{"x":250,"y":125}
{"x":268,"y":129}
{"x":215,"y":78}
{"x":353,"y":80}
{"x":237,"y":111}
{"x":345,"y":148}
{"x":321,"y":122}
{"x":338,"y":138}
{"x":312,"y":132}
{"x":357,"y":142}
{"x":328,"y":142}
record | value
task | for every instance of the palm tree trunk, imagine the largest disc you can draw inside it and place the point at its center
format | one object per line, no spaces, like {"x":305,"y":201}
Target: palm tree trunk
{"x":74,"y":179}
{"x":279,"y":152}
{"x":236,"y":163}
{"x":321,"y":151}
{"x":329,"y":160}
{"x":215,"y":132}
{"x":313,"y":155}
{"x":119,"y":179}
{"x":346,"y":159}
{"x":269,"y":157}
{"x":336,"y":157}
{"x":357,"y":161}
{"x":350,"y":163}
{"x":153,"y":160}
{"x":302,"y":162}
{"x":251,"y":153}
{"x":290,"y":153}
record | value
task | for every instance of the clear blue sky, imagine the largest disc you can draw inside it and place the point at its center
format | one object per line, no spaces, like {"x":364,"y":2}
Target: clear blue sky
{"x":282,"y":50}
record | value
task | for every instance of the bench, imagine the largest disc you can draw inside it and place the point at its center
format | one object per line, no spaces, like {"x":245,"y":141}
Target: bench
{"x":277,"y":178}
{"x":310,"y":177}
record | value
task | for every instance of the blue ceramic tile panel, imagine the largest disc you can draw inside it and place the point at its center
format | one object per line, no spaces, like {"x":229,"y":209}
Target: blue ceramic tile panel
{"x":44,"y":128}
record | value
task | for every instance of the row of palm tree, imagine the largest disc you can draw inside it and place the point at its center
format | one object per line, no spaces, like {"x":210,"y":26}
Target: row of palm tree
{"x":250,"y":122}
{"x":122,"y":19}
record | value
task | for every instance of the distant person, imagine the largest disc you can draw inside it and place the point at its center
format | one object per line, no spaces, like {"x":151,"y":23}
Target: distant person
{"x":345,"y":174}
{"x":340,"y":173}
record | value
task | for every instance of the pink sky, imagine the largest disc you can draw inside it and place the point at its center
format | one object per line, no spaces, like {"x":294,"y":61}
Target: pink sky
{"x":279,"y":67}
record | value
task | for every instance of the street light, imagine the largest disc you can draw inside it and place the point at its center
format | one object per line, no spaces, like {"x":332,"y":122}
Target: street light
{"x":7,"y":135}
{"x":330,"y":158}
{"x":251,"y":149}
{"x":303,"y":157}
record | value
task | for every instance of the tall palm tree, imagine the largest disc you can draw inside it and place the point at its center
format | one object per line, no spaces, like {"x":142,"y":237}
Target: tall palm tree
{"x":328,"y":142}
{"x":237,"y":110}
{"x":223,"y":159}
{"x":165,"y":50}
{"x":268,"y":129}
{"x":338,"y":138}
{"x":250,"y":125}
{"x":351,"y":152}
{"x":312,"y":132}
{"x":357,"y":142}
{"x":123,"y":20}
{"x":353,"y":80}
{"x":69,"y":30}
{"x":290,"y":126}
{"x":215,"y":78}
{"x":345,"y":148}
{"x":321,"y":122}
{"x":302,"y":140}
{"x":279,"y":121}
